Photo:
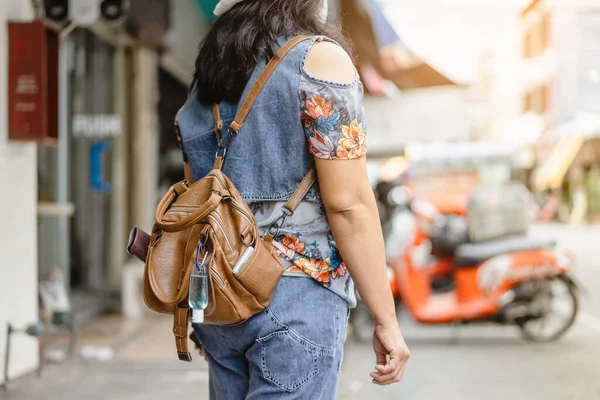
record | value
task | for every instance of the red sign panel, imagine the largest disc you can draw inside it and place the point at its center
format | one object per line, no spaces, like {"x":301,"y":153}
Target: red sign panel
{"x":32,"y":81}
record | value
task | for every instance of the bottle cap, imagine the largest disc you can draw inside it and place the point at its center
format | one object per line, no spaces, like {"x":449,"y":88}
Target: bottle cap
{"x":197,"y":316}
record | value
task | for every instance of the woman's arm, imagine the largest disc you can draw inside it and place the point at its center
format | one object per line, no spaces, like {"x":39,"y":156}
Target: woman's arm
{"x":352,"y":213}
{"x":354,"y":219}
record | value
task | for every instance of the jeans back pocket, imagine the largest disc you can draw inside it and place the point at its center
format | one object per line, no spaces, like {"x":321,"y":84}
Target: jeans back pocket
{"x":289,"y":361}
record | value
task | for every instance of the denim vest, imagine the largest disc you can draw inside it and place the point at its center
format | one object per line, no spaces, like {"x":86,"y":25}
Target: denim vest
{"x":269,"y":157}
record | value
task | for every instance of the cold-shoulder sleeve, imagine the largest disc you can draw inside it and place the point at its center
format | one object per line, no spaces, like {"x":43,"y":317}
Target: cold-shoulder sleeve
{"x":333,"y":119}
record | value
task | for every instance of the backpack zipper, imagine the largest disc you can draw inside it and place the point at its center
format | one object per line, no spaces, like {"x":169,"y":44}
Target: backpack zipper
{"x":219,"y":178}
{"x":222,"y":227}
{"x":215,"y":275}
{"x":235,"y":205}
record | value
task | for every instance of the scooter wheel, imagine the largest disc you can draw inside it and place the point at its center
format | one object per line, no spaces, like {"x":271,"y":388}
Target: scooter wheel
{"x":559,"y":314}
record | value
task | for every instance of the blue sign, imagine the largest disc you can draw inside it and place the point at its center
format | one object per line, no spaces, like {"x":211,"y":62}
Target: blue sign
{"x":97,"y":161}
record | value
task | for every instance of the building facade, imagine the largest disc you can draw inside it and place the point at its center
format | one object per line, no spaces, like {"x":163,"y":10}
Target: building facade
{"x":561,"y":58}
{"x":18,"y":237}
{"x":73,"y":203}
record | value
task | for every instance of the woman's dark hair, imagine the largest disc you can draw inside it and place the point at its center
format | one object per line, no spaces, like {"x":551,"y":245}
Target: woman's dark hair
{"x":247,"y":33}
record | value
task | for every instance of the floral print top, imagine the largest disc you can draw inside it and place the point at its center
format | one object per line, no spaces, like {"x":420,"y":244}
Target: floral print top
{"x":333,"y":120}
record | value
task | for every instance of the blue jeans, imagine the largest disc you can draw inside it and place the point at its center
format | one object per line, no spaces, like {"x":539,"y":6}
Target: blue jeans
{"x":292,"y":350}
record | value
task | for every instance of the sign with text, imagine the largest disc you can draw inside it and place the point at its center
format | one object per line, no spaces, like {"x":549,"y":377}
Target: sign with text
{"x":32,"y":81}
{"x":96,"y":126}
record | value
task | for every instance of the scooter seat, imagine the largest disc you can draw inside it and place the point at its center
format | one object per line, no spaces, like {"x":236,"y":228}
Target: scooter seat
{"x":472,"y":254}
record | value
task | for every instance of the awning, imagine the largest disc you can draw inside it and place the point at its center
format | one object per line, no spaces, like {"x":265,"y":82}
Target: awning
{"x":551,"y":173}
{"x":584,"y":125}
{"x":459,"y":153}
{"x":376,"y":43}
{"x":525,"y":129}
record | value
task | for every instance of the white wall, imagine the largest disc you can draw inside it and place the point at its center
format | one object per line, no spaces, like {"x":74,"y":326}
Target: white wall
{"x":506,"y":86}
{"x":18,"y":236}
{"x":416,"y":116}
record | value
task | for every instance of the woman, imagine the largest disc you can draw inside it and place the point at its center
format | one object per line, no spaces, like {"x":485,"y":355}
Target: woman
{"x":309,"y":113}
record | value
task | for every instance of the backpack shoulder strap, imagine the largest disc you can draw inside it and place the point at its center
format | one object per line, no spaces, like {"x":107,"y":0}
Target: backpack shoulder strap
{"x":247,"y":104}
{"x":301,"y":190}
{"x":260,"y":83}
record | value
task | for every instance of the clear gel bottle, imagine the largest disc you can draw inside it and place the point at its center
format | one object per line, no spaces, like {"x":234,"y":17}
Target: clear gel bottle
{"x":199,"y":282}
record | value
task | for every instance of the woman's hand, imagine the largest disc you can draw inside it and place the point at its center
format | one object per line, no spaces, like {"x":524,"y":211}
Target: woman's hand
{"x":201,"y":352}
{"x":388,"y":341}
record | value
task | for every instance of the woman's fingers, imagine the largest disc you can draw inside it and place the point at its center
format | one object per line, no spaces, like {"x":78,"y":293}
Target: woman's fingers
{"x":201,"y":352}
{"x":393,"y":371}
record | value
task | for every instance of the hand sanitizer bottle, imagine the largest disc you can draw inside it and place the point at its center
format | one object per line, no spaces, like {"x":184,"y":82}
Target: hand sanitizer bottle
{"x":198,"y":297}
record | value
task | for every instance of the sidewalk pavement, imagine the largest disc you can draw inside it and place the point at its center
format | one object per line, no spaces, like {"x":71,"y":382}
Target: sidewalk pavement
{"x":489,"y":362}
{"x":143,"y":366}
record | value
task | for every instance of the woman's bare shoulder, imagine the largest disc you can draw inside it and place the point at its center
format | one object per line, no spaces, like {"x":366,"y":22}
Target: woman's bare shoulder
{"x":329,"y":62}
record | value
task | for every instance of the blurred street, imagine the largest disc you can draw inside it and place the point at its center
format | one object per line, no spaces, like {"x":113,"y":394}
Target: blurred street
{"x":487,"y":362}
{"x":482,"y":126}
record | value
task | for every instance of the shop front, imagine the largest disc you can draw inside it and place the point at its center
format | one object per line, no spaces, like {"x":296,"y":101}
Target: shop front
{"x":88,"y":167}
{"x":568,"y":180}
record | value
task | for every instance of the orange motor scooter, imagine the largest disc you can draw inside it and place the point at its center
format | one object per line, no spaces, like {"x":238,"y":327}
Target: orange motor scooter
{"x":511,"y":281}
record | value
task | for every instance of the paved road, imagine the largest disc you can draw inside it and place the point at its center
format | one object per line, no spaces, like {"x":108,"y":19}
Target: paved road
{"x":493,"y":362}
{"x":585,"y":243}
{"x":489,"y":363}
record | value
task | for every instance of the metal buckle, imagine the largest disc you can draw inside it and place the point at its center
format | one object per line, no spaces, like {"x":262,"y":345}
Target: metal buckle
{"x":286,"y":212}
{"x":201,"y":245}
{"x":219,"y":150}
{"x":183,"y":356}
{"x":252,"y":242}
{"x":224,"y":142}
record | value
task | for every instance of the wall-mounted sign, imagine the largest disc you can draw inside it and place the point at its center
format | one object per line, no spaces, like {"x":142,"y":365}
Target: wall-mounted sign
{"x":32,"y":81}
{"x":97,"y":164}
{"x":96,"y":126}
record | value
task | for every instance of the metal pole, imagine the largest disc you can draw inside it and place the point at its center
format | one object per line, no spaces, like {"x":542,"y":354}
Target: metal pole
{"x":64,"y":238}
{"x":118,"y":214}
{"x":7,"y":354}
{"x":63,"y":160}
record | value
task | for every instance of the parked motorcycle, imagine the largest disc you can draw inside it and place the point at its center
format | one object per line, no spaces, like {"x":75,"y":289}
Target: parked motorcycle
{"x":510,"y":281}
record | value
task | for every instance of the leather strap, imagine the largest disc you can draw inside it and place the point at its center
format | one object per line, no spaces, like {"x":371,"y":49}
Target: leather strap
{"x":247,"y":104}
{"x":303,"y":188}
{"x":264,"y":76}
{"x":218,"y":162}
{"x":181,"y":322}
{"x":189,"y":221}
{"x":217,"y":119}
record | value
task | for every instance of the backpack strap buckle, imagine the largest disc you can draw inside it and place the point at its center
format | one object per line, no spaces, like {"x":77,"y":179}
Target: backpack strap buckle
{"x":275,"y":227}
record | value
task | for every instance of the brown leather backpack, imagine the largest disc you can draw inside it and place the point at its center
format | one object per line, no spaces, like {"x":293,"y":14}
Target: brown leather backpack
{"x":211,"y":211}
